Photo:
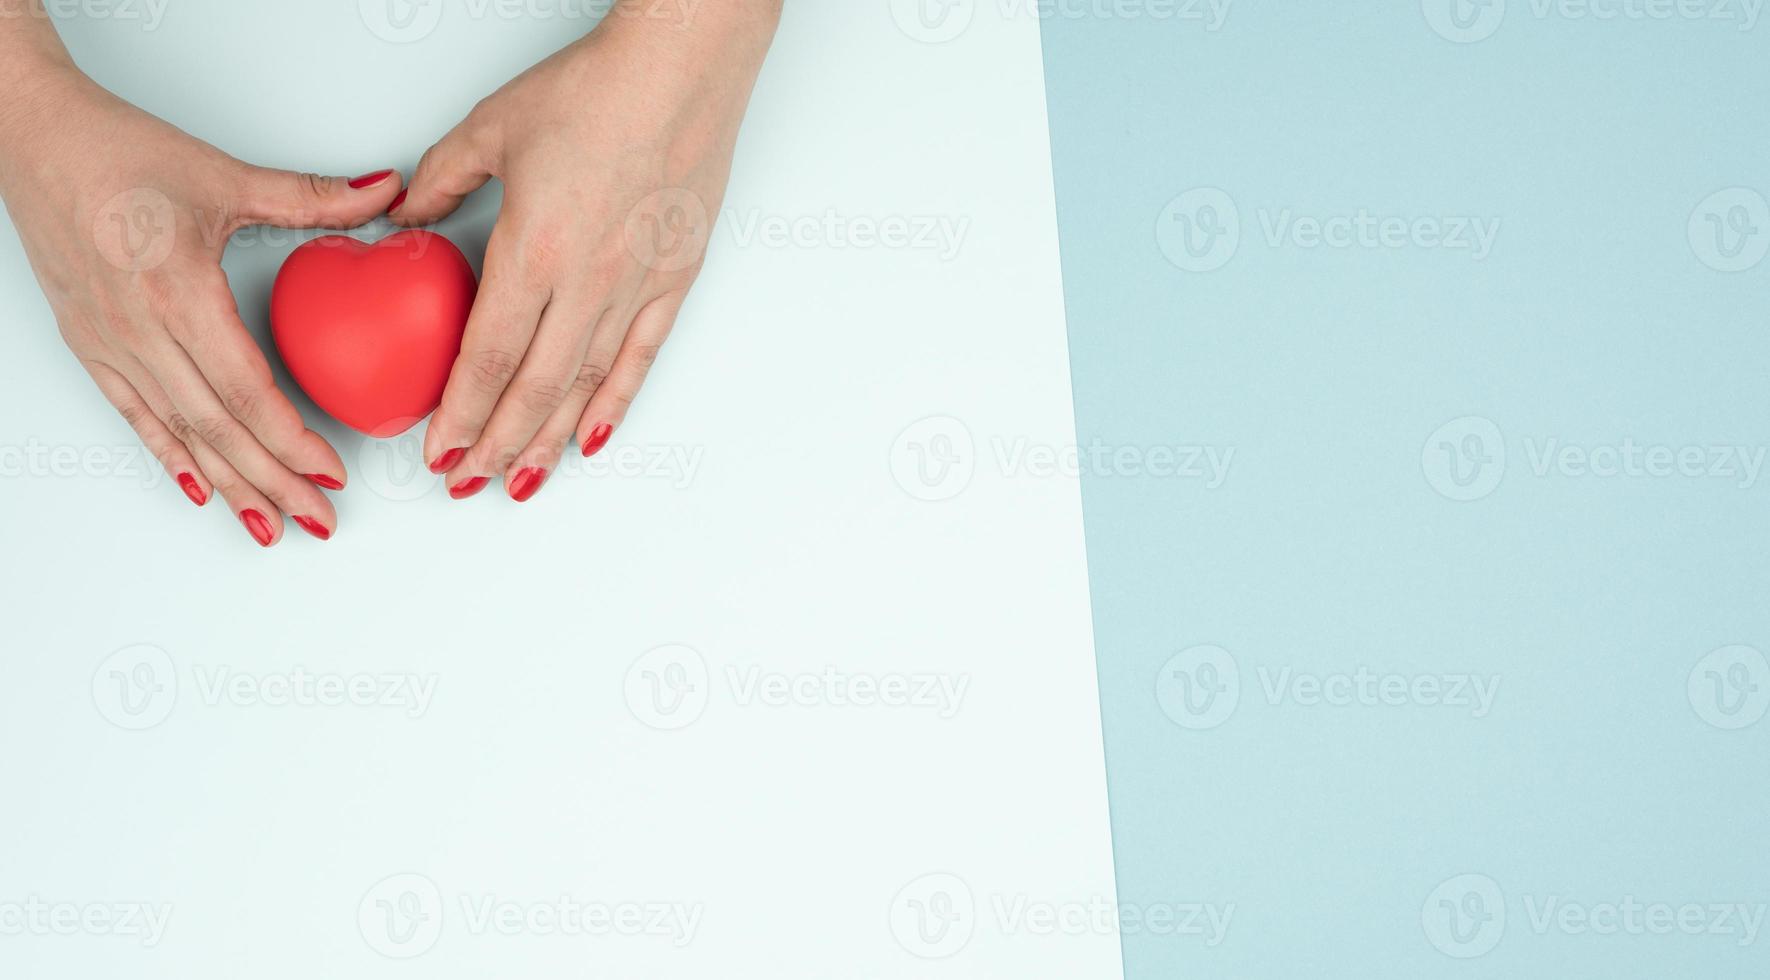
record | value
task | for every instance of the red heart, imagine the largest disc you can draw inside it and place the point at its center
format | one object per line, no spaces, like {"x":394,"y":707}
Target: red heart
{"x":370,"y":331}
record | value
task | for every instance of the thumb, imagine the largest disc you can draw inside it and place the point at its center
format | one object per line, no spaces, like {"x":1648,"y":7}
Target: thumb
{"x":295,"y":200}
{"x":448,"y":172}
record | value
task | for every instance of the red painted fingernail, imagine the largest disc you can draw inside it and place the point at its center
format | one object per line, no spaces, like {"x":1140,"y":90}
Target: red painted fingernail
{"x":325,"y":482}
{"x":598,"y":438}
{"x":257,"y":526}
{"x":447,"y":461}
{"x":398,"y":200}
{"x":369,"y":180}
{"x":192,"y":489}
{"x":312,"y":527}
{"x":528,"y":480}
{"x":468,"y":487}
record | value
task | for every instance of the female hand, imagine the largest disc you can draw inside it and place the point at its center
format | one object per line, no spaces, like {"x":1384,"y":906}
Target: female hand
{"x":124,"y":219}
{"x":614,"y":154}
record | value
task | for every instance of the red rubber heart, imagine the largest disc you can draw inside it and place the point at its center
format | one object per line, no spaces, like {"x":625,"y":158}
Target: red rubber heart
{"x":371,"y":331}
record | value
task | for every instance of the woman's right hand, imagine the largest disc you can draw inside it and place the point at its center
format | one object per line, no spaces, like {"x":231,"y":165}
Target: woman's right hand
{"x":124,"y":219}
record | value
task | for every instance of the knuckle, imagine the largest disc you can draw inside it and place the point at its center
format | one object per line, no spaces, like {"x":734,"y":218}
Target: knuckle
{"x":590,"y":377}
{"x":243,"y":401}
{"x":543,"y":248}
{"x":159,"y":291}
{"x":181,"y":427}
{"x":313,"y":185}
{"x":490,"y":369}
{"x":134,"y":413}
{"x":643,"y":356}
{"x":541,"y":395}
{"x":218,"y":431}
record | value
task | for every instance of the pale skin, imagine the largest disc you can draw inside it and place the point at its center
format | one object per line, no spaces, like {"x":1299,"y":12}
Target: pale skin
{"x":607,"y":209}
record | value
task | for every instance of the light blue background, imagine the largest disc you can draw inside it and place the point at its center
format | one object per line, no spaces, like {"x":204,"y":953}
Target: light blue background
{"x":1595,"y":776}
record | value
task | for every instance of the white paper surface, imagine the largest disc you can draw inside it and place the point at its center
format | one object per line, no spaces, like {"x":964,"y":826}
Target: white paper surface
{"x":611,"y":732}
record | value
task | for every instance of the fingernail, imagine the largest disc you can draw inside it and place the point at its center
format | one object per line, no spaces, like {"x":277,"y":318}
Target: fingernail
{"x":447,"y":461}
{"x":598,"y":438}
{"x":312,"y":527}
{"x":325,"y":482}
{"x":192,"y":489}
{"x":468,"y":487}
{"x":257,"y":526}
{"x":398,"y":200}
{"x":369,"y":180}
{"x":528,"y":480}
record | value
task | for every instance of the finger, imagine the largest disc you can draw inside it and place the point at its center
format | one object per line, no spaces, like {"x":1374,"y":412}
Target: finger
{"x":197,"y":411}
{"x":505,"y":316}
{"x":175,"y":456}
{"x":608,"y":407}
{"x":299,"y":200}
{"x":544,"y":450}
{"x":455,"y":167}
{"x":235,"y":367}
{"x":552,"y":372}
{"x":252,"y":509}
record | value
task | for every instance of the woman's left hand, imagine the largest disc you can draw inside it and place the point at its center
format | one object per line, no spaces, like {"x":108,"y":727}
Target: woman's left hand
{"x":614,"y":154}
